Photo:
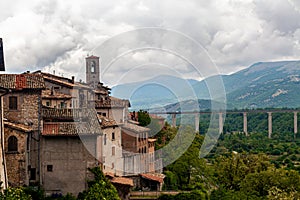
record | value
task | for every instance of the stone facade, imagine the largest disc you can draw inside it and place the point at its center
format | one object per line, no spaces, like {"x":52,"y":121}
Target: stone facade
{"x":16,"y":153}
{"x":21,"y":106}
{"x":27,"y":107}
{"x":92,"y":70}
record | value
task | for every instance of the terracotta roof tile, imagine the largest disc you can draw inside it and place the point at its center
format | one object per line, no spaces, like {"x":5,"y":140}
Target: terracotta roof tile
{"x":22,"y":81}
{"x":106,"y":122}
{"x":122,"y":181}
{"x":47,"y":94}
{"x":154,"y":177}
{"x":67,"y":129}
{"x":85,"y":121}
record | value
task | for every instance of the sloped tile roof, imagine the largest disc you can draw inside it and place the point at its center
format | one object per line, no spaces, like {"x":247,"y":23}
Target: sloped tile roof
{"x":67,"y":129}
{"x":22,"y":81}
{"x":154,"y":177}
{"x":21,"y":127}
{"x":85,"y":121}
{"x":135,"y":128}
{"x":47,"y":94}
{"x":122,"y":181}
{"x":106,"y":122}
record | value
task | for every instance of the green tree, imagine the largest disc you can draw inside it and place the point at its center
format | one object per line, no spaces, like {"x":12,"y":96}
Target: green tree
{"x":144,"y":118}
{"x":100,"y":188}
{"x":263,"y":183}
{"x":15,"y":193}
{"x":231,"y":171}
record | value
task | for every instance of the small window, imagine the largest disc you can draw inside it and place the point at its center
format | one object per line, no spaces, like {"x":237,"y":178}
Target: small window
{"x":62,"y":105}
{"x":32,"y":174}
{"x":104,"y":139}
{"x":104,"y":114}
{"x":112,"y":165}
{"x":113,"y":151}
{"x":49,"y":168}
{"x":113,"y":136}
{"x":12,"y":144}
{"x":93,"y":67}
{"x":13,"y":103}
{"x":48,"y":103}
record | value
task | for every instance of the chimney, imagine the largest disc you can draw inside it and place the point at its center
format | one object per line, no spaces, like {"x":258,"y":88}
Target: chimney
{"x":2,"y":65}
{"x":73,"y":79}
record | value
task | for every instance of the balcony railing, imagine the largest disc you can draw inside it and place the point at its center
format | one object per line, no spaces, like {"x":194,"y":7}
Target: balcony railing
{"x":111,"y":103}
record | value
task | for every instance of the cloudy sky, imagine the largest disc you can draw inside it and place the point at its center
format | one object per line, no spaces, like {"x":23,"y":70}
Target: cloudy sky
{"x":233,"y":34}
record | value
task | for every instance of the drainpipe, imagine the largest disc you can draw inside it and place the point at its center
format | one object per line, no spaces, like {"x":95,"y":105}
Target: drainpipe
{"x":39,"y":140}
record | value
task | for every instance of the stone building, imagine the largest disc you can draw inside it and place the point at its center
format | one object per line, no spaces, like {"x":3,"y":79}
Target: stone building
{"x":71,"y":143}
{"x":22,"y":113}
{"x":16,"y":153}
{"x":57,"y":128}
{"x":60,"y":89}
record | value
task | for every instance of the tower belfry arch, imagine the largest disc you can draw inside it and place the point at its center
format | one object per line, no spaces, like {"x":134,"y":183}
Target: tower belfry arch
{"x":92,"y":70}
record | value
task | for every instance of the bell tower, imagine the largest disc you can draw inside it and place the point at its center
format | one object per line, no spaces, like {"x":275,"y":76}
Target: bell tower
{"x":92,"y":70}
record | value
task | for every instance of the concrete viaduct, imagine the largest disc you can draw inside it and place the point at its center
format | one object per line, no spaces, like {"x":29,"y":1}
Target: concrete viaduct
{"x":245,"y":121}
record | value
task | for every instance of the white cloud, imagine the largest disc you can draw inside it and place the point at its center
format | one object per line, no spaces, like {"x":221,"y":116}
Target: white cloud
{"x":57,"y":35}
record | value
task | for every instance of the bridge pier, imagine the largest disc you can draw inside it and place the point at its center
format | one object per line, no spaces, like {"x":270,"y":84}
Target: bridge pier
{"x":197,"y":120}
{"x":173,"y":120}
{"x":245,"y":124}
{"x":221,"y":122}
{"x":295,"y":123}
{"x":269,"y":125}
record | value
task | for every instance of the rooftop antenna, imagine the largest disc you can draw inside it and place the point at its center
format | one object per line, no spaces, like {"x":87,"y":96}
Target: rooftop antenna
{"x":2,"y":64}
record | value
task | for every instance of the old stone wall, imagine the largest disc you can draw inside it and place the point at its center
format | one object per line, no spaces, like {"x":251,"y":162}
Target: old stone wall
{"x":16,"y":161}
{"x":27,"y":108}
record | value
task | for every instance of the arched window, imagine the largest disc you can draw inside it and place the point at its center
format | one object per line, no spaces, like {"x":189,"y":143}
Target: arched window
{"x":93,"y":67}
{"x":12,"y":144}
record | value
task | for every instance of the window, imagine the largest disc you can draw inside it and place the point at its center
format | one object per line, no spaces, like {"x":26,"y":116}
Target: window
{"x":104,"y":139}
{"x":93,"y":67}
{"x":112,"y":165}
{"x":48,"y":103}
{"x":12,"y":144}
{"x":62,"y":104}
{"x":113,"y":136}
{"x":113,"y":151}
{"x":32,"y":174}
{"x":49,"y":168}
{"x":13,"y":103}
{"x":104,"y":114}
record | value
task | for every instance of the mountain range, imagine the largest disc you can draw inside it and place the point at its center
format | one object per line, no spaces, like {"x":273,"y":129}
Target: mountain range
{"x":263,"y":84}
